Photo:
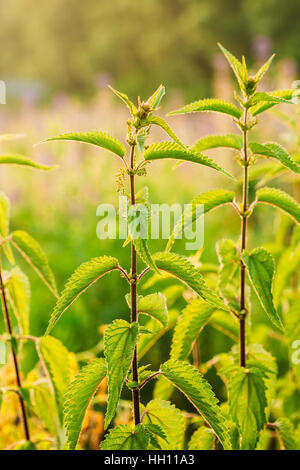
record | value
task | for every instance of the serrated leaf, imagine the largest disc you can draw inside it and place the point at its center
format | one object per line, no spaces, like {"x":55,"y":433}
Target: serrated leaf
{"x":263,"y":69}
{"x":261,"y":96}
{"x":288,"y":264}
{"x":214,"y":141}
{"x":162,"y":123}
{"x":169,"y":418}
{"x":238,"y":68}
{"x":20,"y":160}
{"x":260,"y":267}
{"x":198,"y":391}
{"x":35,"y":256}
{"x":202,"y":439}
{"x":56,"y":359}
{"x":119,"y":342}
{"x":193,"y":319}
{"x":123,"y":437}
{"x":100,"y":139}
{"x":229,"y":260}
{"x":78,"y":397}
{"x":287,"y":434}
{"x":274,"y":150}
{"x":261,"y":107}
{"x":156,"y":430}
{"x":210,"y":200}
{"x":155,"y":99}
{"x":278,"y":198}
{"x":125,"y":100}
{"x":84,"y":276}
{"x":181,"y":268}
{"x":44,"y":406}
{"x":210,"y":104}
{"x":226,"y":324}
{"x":4,"y":226}
{"x":154,"y":305}
{"x":19,"y":295}
{"x":163,"y":150}
{"x":247,"y":399}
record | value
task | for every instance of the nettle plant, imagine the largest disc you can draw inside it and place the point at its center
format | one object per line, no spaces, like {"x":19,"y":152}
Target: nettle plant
{"x":15,"y":291}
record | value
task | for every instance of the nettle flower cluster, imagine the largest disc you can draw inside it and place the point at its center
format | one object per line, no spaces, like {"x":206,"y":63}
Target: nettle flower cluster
{"x":248,"y":371}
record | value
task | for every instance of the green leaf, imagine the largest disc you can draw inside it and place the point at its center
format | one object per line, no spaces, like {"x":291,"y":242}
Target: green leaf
{"x":44,"y":406}
{"x":163,"y":150}
{"x":101,"y":139}
{"x":288,"y":264}
{"x":84,"y":276}
{"x":4,"y":226}
{"x":35,"y":256}
{"x":274,"y":150}
{"x":56,"y":359}
{"x":169,"y":418}
{"x":229,"y":260}
{"x":193,"y":319}
{"x":278,"y":198}
{"x":210,"y":200}
{"x":214,"y":141}
{"x":119,"y":342}
{"x":155,"y":99}
{"x":125,"y":100}
{"x":202,"y":439}
{"x":287,"y":434}
{"x":162,"y":123}
{"x":198,"y":391}
{"x":181,"y":268}
{"x":260,"y":267}
{"x":238,"y":68}
{"x":23,"y":161}
{"x":78,"y":397}
{"x":226,"y":324}
{"x":123,"y":437}
{"x":266,"y":97}
{"x":263,"y":69}
{"x":247,"y":400}
{"x":261,"y":107}
{"x":19,"y":296}
{"x":210,"y":104}
{"x":154,"y":305}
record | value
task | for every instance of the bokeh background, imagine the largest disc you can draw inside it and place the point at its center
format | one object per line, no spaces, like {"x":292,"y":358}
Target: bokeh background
{"x":57,"y":59}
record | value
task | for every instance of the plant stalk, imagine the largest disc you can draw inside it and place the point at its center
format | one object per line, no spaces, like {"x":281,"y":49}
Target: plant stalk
{"x":133,"y":292}
{"x":243,"y":246}
{"x":15,"y":359}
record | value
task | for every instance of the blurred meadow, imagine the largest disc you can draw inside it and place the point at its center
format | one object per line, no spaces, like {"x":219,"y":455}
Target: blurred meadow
{"x":57,"y":63}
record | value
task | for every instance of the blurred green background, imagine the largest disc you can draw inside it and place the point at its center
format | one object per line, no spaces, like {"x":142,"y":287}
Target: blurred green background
{"x":57,"y":59}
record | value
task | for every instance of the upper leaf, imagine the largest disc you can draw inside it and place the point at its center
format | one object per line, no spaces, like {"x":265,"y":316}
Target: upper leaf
{"x":162,"y":123}
{"x":123,"y":437}
{"x":238,"y":68}
{"x":274,"y":150}
{"x":193,"y":319}
{"x":81,"y":279}
{"x":211,"y":104}
{"x":119,"y":342}
{"x":125,"y":100}
{"x":260,"y":266}
{"x":101,"y":139}
{"x":35,"y":256}
{"x":181,"y":268}
{"x":23,"y":161}
{"x":198,"y":391}
{"x":247,"y":399}
{"x":79,"y":395}
{"x":277,"y":198}
{"x":263,"y":106}
{"x":264,"y":68}
{"x":214,"y":141}
{"x":155,"y":99}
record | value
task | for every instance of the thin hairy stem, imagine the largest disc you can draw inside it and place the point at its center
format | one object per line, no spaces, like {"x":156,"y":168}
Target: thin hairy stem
{"x":15,"y":359}
{"x":133,"y":292}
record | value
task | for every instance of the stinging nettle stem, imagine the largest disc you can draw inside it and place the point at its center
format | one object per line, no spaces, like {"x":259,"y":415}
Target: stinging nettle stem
{"x":15,"y":359}
{"x":133,"y":292}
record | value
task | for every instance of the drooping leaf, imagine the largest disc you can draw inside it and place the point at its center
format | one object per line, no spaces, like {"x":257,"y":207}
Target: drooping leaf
{"x":125,"y":100}
{"x":198,"y":391}
{"x":247,"y":400}
{"x":202,"y":439}
{"x":260,"y":267}
{"x":56,"y":359}
{"x":209,"y":200}
{"x":119,"y":342}
{"x":79,"y":395}
{"x":278,"y":198}
{"x":81,"y":279}
{"x":238,"y":68}
{"x":181,"y":268}
{"x":101,"y":139}
{"x":162,"y":123}
{"x":170,"y":419}
{"x":23,"y":161}
{"x":261,"y":107}
{"x":193,"y":319}
{"x":35,"y":256}
{"x":4,"y":226}
{"x":19,"y":295}
{"x":273,"y":150}
{"x":210,"y":104}
{"x":155,"y":99}
{"x":173,"y":150}
{"x":287,"y":434}
{"x":123,"y":437}
{"x":214,"y":141}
